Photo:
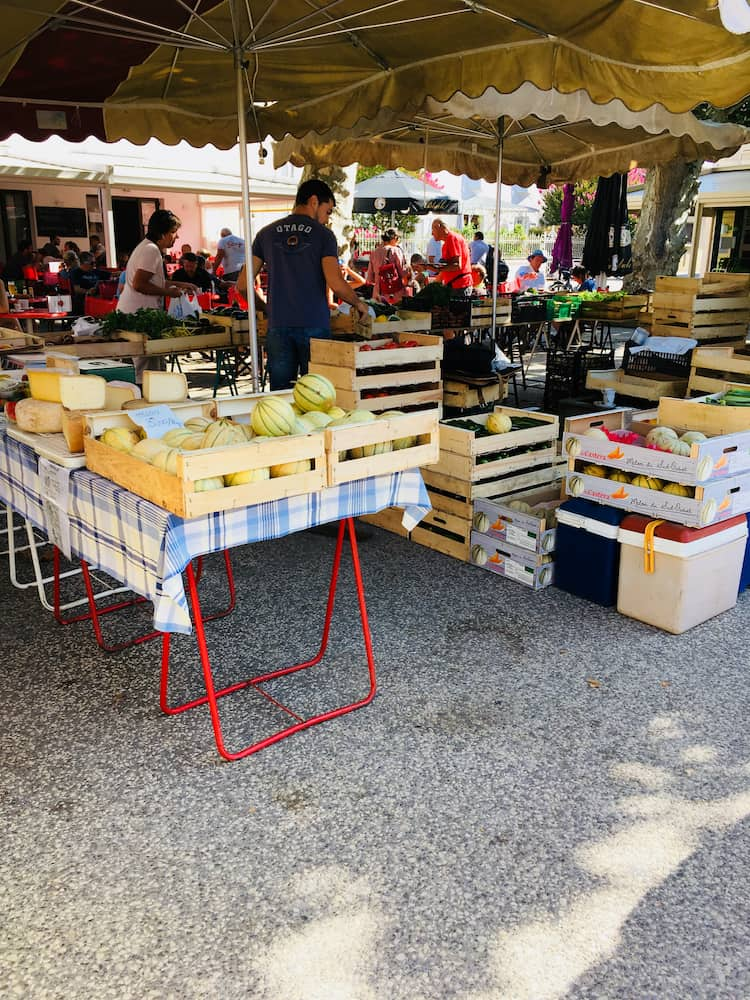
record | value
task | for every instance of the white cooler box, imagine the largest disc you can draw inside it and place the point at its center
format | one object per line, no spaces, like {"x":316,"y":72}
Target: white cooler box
{"x":689,"y":575}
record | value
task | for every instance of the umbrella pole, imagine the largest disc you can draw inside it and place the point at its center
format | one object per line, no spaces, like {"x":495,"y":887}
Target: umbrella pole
{"x":247,"y":225}
{"x":498,"y":202}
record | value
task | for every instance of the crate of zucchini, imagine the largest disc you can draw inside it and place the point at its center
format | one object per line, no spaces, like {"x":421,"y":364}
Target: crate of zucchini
{"x":486,"y":456}
{"x":153,"y":331}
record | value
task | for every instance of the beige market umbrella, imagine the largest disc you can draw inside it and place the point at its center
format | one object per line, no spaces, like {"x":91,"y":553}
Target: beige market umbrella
{"x":567,"y":134}
{"x":221,"y":70}
{"x":526,"y":136}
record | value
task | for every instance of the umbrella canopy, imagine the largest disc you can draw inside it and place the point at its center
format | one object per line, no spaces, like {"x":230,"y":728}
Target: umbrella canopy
{"x":395,"y":191}
{"x":568,"y":134}
{"x":607,"y":248}
{"x":134,"y":69}
{"x":562,"y":251}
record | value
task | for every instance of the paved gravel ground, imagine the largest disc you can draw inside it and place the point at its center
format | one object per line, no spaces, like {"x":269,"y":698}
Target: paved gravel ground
{"x":545,"y":799}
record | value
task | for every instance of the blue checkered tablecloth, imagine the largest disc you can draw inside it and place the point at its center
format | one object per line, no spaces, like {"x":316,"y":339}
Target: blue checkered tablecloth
{"x":147,"y":548}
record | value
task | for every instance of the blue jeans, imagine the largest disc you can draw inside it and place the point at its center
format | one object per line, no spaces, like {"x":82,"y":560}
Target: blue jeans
{"x":288,"y":350}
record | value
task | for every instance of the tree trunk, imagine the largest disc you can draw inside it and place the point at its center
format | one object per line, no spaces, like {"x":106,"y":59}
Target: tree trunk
{"x":341,"y":181}
{"x":661,"y":235}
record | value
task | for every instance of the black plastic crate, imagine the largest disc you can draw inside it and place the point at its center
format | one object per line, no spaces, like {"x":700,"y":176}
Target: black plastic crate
{"x":567,"y":370}
{"x":528,"y":309}
{"x":653,"y":362}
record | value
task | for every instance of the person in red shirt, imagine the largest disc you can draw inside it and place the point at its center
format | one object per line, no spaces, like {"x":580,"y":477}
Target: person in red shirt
{"x":454,"y":269}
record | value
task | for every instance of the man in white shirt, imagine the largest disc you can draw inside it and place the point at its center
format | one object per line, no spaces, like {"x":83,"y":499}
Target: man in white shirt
{"x":433,"y":253}
{"x":529,"y":275}
{"x":230,"y":252}
{"x":478,"y":249}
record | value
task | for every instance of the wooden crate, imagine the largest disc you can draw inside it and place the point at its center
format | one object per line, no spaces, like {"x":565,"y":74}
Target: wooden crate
{"x":510,"y":482}
{"x":239,"y":329}
{"x":174,"y":345}
{"x":466,"y":395}
{"x":718,"y":458}
{"x":342,"y":467}
{"x":715,"y":501}
{"x":389,"y":519}
{"x":461,"y":451}
{"x":496,"y":519}
{"x":101,"y":349}
{"x":406,"y":321}
{"x":446,"y":533}
{"x":627,"y":308}
{"x":647,"y":386}
{"x":407,"y":377}
{"x":700,"y":416}
{"x":177,"y":493}
{"x":480,"y":313}
{"x":716,"y":369}
{"x":714,"y":307}
{"x":532,"y":569}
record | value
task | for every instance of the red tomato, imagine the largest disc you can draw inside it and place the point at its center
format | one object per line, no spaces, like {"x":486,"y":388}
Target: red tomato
{"x":365,"y":347}
{"x":10,"y":410}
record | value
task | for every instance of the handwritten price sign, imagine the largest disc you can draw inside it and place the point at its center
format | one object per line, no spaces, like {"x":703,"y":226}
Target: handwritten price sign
{"x":155,"y":420}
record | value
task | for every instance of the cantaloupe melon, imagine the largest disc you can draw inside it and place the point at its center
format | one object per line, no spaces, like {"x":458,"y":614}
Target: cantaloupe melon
{"x":314,"y":392}
{"x":273,"y":417}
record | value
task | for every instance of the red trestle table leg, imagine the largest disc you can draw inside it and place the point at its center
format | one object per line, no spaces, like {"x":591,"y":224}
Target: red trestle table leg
{"x":95,"y":613}
{"x":212,"y":694}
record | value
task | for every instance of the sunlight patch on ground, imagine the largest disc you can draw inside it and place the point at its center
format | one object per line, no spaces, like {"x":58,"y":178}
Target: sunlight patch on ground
{"x":641,"y":774}
{"x":699,"y":755}
{"x":542,"y":959}
{"x":332,"y":955}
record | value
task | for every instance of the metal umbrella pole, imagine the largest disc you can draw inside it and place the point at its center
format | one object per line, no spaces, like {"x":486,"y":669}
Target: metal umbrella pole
{"x":498,"y":202}
{"x":247,"y":225}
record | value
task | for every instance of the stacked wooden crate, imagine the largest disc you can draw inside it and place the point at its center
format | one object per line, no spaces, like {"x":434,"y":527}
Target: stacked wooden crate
{"x":398,"y":372}
{"x":472,"y":467}
{"x":715,"y":307}
{"x":718,"y":369}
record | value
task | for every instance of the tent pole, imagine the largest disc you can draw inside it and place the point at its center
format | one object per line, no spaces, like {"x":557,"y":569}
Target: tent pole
{"x":498,"y":202}
{"x":247,"y":225}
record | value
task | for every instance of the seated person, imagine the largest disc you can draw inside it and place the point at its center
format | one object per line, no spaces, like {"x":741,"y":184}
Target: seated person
{"x":83,"y":280}
{"x":581,"y":281}
{"x":350,"y":277}
{"x":479,"y":279}
{"x":529,"y":275}
{"x":418,"y":276}
{"x":190,"y":271}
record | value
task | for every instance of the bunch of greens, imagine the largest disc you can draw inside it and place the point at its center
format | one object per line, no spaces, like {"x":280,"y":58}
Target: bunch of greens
{"x":154,"y":323}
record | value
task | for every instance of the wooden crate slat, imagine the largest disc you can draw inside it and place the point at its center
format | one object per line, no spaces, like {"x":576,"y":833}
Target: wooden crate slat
{"x":464,"y":466}
{"x":727,"y":332}
{"x":494,"y":488}
{"x":635,"y":386}
{"x":424,"y":398}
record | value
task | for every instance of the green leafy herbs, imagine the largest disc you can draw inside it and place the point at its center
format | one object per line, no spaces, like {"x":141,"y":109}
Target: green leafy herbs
{"x":154,"y":323}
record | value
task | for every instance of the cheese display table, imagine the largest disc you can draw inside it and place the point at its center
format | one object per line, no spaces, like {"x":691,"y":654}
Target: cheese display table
{"x":147,"y":548}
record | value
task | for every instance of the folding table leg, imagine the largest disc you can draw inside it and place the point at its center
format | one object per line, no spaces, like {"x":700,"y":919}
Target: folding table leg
{"x":95,"y":613}
{"x":212,"y":694}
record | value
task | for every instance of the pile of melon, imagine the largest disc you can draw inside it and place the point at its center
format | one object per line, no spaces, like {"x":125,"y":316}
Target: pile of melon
{"x":313,"y":409}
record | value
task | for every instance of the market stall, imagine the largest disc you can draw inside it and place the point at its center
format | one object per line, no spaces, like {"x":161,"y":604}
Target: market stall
{"x":145,"y":509}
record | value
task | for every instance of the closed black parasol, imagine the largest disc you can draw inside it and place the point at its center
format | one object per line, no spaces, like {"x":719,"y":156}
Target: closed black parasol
{"x":607,"y":249}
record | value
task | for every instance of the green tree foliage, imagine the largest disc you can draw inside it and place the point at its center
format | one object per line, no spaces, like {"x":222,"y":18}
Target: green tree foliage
{"x":404,"y":224}
{"x":582,"y":204}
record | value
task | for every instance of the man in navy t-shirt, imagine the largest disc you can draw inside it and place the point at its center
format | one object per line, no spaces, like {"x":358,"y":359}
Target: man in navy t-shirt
{"x":301,"y":256}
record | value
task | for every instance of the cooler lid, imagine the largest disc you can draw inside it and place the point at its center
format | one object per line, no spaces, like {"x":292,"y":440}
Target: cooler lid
{"x":594,"y":511}
{"x":678,"y":532}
